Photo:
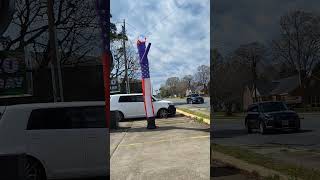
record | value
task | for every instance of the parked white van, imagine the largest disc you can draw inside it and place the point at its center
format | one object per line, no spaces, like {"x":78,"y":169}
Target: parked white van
{"x":132,"y":106}
{"x":60,"y":140}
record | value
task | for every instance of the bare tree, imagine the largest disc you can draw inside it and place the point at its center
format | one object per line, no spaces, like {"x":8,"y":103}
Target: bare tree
{"x":76,"y":26}
{"x":299,"y":43}
{"x":188,"y":81}
{"x":251,"y":54}
{"x":172,"y":85}
{"x":228,"y":80}
{"x":119,"y":63}
{"x":202,"y":76}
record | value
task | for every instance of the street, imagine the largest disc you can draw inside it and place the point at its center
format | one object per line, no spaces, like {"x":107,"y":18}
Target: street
{"x":178,"y":149}
{"x":286,"y":146}
{"x":182,"y":103}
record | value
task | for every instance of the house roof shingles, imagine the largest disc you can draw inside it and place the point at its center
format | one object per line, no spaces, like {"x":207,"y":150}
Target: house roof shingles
{"x":285,"y":85}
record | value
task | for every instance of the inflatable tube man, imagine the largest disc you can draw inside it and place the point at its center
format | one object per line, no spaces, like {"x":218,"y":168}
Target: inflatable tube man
{"x":146,"y":82}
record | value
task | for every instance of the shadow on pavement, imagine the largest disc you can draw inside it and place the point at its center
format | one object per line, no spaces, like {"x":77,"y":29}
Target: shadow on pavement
{"x":166,"y":128}
{"x":157,"y":119}
{"x":93,"y":178}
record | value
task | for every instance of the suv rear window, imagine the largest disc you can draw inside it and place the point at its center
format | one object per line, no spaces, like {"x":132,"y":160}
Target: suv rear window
{"x":67,"y":118}
{"x":125,"y":99}
{"x":133,"y":98}
{"x":54,"y":118}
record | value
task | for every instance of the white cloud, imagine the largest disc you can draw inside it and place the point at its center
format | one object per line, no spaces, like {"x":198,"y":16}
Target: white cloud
{"x":179,"y":31}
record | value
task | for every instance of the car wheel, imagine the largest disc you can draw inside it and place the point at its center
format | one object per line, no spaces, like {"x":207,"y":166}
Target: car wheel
{"x":262,"y":128}
{"x":121,"y":116}
{"x":248,"y":128}
{"x":33,"y":170}
{"x":163,"y":113}
{"x":188,"y":101}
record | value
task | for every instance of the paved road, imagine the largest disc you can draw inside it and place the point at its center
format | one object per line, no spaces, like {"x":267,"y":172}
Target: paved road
{"x":301,"y":148}
{"x":183,"y":104}
{"x":232,"y":132}
{"x":178,"y":149}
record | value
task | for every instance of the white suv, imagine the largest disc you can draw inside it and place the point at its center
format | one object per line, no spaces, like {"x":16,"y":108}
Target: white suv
{"x":132,"y":106}
{"x":59,"y":140}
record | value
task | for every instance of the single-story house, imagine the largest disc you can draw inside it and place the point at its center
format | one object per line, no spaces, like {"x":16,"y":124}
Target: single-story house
{"x":286,"y":89}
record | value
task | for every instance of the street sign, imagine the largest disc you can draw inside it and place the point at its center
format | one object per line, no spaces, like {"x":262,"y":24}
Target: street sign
{"x":13,"y":74}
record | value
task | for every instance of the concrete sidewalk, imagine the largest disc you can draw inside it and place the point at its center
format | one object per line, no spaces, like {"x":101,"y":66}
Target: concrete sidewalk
{"x":178,"y":149}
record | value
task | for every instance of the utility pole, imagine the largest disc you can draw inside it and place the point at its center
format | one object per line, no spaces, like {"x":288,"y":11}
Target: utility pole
{"x":125,"y":57}
{"x":55,"y":65}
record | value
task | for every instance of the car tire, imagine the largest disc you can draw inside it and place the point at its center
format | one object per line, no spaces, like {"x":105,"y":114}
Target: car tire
{"x":262,"y":128}
{"x":163,"y":113}
{"x":249,"y":130}
{"x":33,"y":170}
{"x":121,"y":116}
{"x":188,"y":101}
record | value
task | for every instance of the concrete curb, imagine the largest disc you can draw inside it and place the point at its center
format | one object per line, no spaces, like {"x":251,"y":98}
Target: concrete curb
{"x":245,"y":166}
{"x":207,"y":121}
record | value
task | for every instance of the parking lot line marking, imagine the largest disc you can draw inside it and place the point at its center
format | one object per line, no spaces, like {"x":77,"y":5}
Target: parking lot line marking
{"x":164,"y":140}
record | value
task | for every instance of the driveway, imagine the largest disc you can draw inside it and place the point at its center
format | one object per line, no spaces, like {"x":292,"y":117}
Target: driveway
{"x":178,"y":149}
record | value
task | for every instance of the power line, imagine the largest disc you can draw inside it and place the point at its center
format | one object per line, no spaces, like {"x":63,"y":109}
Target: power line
{"x":164,"y":18}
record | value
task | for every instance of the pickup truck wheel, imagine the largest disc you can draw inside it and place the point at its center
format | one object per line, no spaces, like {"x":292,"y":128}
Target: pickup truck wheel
{"x":163,"y":113}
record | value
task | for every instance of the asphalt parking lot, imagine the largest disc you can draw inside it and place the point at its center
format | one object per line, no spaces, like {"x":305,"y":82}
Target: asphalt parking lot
{"x":300,"y":148}
{"x":178,"y":149}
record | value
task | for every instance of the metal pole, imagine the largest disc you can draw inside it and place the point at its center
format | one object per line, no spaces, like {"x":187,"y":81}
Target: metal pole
{"x":59,"y":68}
{"x":53,"y":53}
{"x":125,"y":57}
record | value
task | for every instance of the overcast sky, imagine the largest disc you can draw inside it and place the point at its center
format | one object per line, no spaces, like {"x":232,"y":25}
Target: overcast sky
{"x":241,"y":22}
{"x":179,"y":31}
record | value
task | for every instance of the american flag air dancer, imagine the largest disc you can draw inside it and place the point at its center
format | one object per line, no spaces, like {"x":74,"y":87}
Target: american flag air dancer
{"x":146,"y":82}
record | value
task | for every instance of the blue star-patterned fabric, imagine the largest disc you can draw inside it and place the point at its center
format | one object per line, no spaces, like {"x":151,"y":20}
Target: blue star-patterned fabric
{"x":144,"y":64}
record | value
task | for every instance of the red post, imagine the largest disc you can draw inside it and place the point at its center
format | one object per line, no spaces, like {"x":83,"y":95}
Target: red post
{"x":106,"y":78}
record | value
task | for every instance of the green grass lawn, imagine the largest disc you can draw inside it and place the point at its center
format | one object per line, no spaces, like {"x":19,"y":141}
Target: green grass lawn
{"x":293,"y":171}
{"x":218,"y":115}
{"x":196,"y":113}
